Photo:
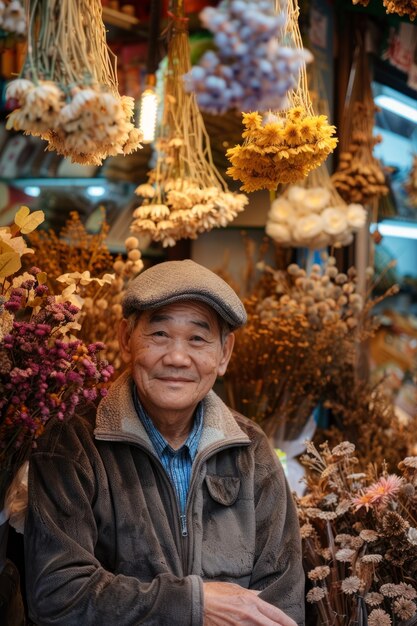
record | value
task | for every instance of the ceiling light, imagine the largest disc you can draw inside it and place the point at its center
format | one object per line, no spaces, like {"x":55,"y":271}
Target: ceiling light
{"x":395,"y":106}
{"x":403,"y":230}
{"x":96,"y":191}
{"x":34,"y":192}
{"x":148,"y":110}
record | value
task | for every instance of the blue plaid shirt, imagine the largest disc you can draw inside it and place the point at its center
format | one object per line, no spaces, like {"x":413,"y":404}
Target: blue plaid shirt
{"x":177,"y":463}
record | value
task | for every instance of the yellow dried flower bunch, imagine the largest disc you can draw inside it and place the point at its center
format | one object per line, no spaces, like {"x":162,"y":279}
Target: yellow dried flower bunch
{"x":280,"y":148}
{"x":401,"y":7}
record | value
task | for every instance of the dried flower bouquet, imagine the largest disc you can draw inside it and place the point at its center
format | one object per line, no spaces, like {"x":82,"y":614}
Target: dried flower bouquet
{"x":251,"y":68}
{"x":302,"y":333}
{"x":284,"y":145}
{"x":46,"y":373}
{"x":359,"y":530}
{"x":314,"y":215}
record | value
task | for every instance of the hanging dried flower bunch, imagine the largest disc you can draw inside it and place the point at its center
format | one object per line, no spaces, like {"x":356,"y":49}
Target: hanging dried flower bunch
{"x":283,"y":147}
{"x":67,"y":90}
{"x":400,"y":7}
{"x":359,"y":531}
{"x":12,"y":17}
{"x":411,"y":184}
{"x":359,"y":176}
{"x":249,"y":69}
{"x":314,"y":215}
{"x":185,"y":194}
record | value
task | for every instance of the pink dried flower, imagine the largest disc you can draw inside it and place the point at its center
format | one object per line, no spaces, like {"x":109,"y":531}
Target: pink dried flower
{"x":385,"y":489}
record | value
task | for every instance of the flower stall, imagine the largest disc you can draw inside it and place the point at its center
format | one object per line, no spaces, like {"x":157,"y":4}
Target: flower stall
{"x":275,"y":143}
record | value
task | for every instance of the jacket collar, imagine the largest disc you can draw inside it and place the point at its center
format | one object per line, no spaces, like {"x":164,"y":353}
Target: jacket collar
{"x":117,"y":419}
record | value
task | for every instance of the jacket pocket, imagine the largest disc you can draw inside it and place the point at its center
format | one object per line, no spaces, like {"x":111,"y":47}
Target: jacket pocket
{"x":223,"y":489}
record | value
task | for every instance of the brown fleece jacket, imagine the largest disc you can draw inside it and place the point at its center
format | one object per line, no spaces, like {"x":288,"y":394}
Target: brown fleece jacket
{"x":103,"y":539}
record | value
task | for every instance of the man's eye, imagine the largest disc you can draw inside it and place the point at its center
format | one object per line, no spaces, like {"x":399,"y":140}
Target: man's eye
{"x":198,"y":339}
{"x":159,"y":333}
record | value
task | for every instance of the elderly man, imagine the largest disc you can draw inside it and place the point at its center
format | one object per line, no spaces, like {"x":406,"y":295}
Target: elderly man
{"x":171,"y":509}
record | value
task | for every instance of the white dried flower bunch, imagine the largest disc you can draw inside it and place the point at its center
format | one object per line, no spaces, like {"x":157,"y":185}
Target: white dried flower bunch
{"x":12,"y":17}
{"x":186,"y":210}
{"x":88,"y":125}
{"x":308,"y":217}
{"x":67,"y":90}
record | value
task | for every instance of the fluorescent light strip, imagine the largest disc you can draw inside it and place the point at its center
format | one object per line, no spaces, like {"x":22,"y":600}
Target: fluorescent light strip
{"x":397,"y":107}
{"x":401,"y":230}
{"x":96,"y":191}
{"x":32,"y":191}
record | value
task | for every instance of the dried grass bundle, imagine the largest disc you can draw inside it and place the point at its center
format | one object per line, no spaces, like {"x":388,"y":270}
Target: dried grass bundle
{"x":185,"y":194}
{"x":411,"y":184}
{"x":359,"y":177}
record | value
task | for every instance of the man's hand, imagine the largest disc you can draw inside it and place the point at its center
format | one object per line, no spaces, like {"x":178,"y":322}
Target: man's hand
{"x":229,"y":604}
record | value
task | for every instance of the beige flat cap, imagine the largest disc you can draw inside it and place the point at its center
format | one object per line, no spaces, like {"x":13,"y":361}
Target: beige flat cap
{"x":175,"y":281}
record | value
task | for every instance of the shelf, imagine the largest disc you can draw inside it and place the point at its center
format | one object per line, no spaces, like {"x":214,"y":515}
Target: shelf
{"x":119,"y":19}
{"x":53,"y":182}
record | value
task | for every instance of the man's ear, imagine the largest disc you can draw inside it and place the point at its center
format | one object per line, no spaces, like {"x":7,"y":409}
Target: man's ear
{"x":124,"y":333}
{"x":227,"y":349}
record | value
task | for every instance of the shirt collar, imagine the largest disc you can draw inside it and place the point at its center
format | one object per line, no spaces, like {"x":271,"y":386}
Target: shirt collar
{"x":158,"y":441}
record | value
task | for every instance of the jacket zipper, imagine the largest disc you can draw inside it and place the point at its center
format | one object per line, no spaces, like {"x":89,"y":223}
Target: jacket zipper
{"x":184,"y":544}
{"x":183,"y":524}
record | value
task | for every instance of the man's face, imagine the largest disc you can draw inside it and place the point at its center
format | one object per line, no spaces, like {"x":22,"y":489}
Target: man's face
{"x":175,"y":353}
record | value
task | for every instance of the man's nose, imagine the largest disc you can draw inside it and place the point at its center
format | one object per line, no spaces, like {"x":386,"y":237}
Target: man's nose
{"x":178,"y":354}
